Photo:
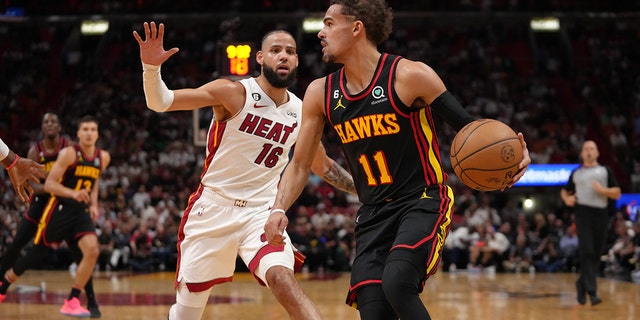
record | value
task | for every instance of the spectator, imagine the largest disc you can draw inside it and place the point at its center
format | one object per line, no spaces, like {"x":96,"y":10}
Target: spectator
{"x":456,"y":251}
{"x":106,"y":242}
{"x":569,"y":248}
{"x":140,"y":244}
{"x":619,"y":258}
{"x":487,"y":247}
{"x":546,"y":255}
{"x":520,"y":257}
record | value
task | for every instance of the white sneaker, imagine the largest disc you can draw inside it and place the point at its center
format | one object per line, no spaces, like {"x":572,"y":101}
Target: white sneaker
{"x":72,"y":269}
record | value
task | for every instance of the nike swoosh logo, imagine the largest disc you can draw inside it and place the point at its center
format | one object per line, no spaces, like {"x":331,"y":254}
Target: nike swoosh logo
{"x":255,"y":105}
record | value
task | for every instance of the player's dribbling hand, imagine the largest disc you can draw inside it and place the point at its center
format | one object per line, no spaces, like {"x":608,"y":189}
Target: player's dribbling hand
{"x":524,"y":164}
{"x":274,"y":228}
{"x":152,"y":48}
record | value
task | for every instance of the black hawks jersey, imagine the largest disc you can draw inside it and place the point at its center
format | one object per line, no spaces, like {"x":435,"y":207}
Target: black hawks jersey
{"x":48,"y":159}
{"x":83,"y":174}
{"x":391,"y":148}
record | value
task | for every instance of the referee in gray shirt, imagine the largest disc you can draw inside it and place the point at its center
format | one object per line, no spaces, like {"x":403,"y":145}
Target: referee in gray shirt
{"x":588,"y":190}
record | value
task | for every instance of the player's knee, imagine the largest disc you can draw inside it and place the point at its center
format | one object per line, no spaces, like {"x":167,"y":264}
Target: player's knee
{"x":89,"y":246}
{"x":400,"y":280}
{"x":193,"y":300}
{"x":91,"y":252}
{"x":182,"y":312}
{"x":372,"y":303}
{"x":280,"y":278}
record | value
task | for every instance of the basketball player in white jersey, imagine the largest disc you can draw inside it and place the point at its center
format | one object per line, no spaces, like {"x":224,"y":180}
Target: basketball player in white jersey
{"x":256,"y":122}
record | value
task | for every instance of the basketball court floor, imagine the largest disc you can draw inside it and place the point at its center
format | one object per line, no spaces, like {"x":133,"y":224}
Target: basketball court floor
{"x":460,"y":296}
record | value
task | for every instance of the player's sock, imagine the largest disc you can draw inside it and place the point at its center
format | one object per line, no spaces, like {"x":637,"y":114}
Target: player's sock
{"x":75,"y":293}
{"x":91,"y":296}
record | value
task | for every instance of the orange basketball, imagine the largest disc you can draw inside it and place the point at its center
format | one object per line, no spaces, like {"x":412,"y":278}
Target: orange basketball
{"x":485,"y":154}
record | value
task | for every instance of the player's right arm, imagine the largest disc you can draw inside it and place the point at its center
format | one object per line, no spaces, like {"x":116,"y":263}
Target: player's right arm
{"x":159,"y":98}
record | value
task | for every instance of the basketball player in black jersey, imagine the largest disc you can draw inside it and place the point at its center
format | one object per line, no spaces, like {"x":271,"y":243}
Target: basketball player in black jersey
{"x":44,"y":152}
{"x":70,"y":212}
{"x":380,"y":106}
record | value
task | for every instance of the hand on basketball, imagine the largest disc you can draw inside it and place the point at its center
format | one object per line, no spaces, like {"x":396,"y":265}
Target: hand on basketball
{"x":152,"y":48}
{"x":524,"y":164}
{"x":274,"y":228}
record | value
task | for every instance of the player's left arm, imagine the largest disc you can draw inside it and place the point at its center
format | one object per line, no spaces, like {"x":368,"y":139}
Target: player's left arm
{"x":331,"y":172}
{"x":105,"y":158}
{"x":419,"y":85}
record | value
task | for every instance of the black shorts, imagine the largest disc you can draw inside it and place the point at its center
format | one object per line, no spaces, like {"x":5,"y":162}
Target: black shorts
{"x":62,"y":221}
{"x":36,"y":207}
{"x":415,"y":227}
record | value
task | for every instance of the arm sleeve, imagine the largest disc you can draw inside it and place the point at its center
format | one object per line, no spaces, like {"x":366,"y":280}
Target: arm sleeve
{"x":159,"y":98}
{"x":451,"y":111}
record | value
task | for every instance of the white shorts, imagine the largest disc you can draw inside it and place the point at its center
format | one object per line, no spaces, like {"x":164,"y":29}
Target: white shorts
{"x":214,"y":231}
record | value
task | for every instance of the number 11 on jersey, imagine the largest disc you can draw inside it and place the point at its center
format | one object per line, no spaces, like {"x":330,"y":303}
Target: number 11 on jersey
{"x":381,"y":162}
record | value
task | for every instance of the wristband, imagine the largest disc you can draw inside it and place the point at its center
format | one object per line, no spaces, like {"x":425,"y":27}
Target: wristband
{"x":13,"y":164}
{"x":277,"y":210}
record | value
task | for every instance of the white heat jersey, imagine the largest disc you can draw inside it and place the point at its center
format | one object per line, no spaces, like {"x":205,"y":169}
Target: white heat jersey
{"x":247,"y":153}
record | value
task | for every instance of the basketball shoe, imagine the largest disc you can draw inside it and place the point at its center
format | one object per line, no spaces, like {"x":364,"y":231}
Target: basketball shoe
{"x":94,"y":310}
{"x":73,"y":308}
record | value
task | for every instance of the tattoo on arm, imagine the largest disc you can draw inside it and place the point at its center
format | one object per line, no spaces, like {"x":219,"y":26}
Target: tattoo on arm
{"x":338,"y":177}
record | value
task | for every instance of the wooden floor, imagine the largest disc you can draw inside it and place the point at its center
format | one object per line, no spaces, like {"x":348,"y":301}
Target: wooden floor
{"x":447,"y":296}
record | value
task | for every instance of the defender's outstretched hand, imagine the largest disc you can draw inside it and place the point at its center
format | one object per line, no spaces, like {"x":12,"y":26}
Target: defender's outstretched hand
{"x":22,"y":173}
{"x":152,"y":48}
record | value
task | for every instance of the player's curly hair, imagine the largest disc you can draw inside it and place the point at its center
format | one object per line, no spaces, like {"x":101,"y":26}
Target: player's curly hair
{"x":376,"y":15}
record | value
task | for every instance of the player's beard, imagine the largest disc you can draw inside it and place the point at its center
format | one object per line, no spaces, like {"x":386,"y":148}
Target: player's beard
{"x":278,"y":81}
{"x":328,"y":59}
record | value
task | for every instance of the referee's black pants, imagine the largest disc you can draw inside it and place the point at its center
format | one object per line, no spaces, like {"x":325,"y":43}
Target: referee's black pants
{"x":591,"y":225}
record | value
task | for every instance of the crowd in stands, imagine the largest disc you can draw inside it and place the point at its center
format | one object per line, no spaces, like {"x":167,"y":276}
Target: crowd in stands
{"x":559,"y":90}
{"x":34,"y":7}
